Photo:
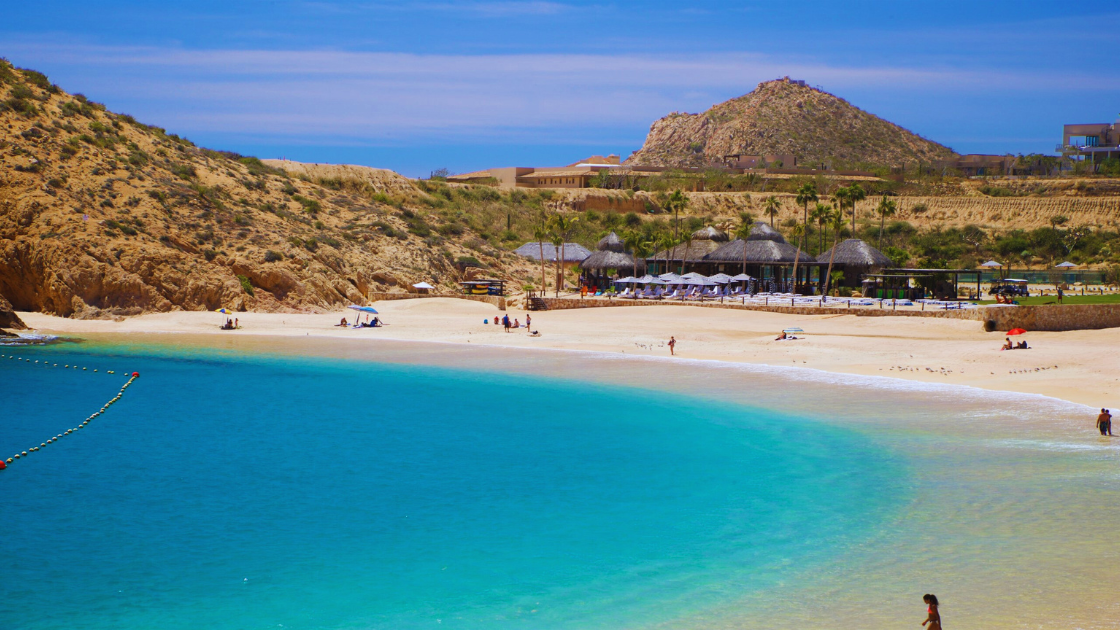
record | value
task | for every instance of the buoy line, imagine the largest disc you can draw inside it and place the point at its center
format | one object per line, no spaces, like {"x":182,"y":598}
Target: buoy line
{"x":135,"y":375}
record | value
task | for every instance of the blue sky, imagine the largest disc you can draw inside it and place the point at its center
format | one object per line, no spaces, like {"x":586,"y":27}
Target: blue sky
{"x":416,"y":86}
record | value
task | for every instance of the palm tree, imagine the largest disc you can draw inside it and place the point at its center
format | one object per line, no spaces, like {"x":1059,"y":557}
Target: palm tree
{"x":887,"y":208}
{"x":843,"y":197}
{"x":807,"y":194}
{"x":665,"y":242}
{"x":836,"y":222}
{"x":772,"y":207}
{"x":856,"y":194}
{"x":746,"y":222}
{"x":639,"y":247}
{"x":677,"y":202}
{"x":561,"y":229}
{"x":540,"y":232}
{"x":799,"y":232}
{"x":687,"y":247}
{"x":557,"y":241}
{"x":820,"y":215}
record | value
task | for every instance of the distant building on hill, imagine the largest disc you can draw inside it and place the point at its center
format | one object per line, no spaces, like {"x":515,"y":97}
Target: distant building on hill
{"x":977,"y":164}
{"x":577,"y":175}
{"x":743,"y":161}
{"x":1095,"y":142}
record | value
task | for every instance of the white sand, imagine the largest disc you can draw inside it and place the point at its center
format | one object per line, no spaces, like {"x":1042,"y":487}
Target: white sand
{"x":958,"y":352}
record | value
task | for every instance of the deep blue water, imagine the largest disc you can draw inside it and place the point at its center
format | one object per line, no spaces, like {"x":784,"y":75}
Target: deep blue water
{"x":263,"y":492}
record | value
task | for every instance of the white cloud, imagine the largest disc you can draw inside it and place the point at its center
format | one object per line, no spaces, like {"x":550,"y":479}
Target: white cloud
{"x":377,"y":96}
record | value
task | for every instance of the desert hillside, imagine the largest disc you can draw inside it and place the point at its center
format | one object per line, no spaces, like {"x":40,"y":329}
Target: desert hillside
{"x":783,"y":117}
{"x":100,"y":214}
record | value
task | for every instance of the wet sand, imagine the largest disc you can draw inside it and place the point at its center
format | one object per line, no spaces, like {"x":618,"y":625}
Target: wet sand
{"x":1076,"y":366}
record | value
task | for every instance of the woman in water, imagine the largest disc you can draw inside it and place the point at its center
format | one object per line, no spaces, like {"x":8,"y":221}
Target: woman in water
{"x":933,"y":617}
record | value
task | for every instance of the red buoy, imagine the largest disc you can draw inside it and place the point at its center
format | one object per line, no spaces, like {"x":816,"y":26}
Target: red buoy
{"x":3,"y":465}
{"x":135,"y":374}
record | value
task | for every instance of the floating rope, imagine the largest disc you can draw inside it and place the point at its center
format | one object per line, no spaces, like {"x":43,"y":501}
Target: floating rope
{"x":135,"y":375}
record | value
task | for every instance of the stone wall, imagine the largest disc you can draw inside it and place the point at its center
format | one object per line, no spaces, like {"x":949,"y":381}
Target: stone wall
{"x":496,"y":300}
{"x":1045,"y":317}
{"x":1052,"y":317}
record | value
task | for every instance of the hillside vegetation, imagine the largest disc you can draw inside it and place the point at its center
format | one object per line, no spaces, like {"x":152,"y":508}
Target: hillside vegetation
{"x":781,"y":117}
{"x":100,"y":214}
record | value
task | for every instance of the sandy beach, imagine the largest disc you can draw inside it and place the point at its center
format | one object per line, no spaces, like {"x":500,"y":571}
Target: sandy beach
{"x":1077,"y":366}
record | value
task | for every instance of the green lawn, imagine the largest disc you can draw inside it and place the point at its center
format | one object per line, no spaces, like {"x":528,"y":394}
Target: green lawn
{"x":1110,"y":298}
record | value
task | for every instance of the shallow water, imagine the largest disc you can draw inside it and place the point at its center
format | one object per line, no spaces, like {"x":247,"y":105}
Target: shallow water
{"x":390,"y":485}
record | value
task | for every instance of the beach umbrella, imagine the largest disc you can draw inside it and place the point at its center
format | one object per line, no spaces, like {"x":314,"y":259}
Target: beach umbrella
{"x":1065,"y":265}
{"x":422,"y":285}
{"x":626,"y":280}
{"x":653,"y":280}
{"x":646,"y":279}
{"x":701,"y":281}
{"x":670,"y":277}
{"x":224,"y":311}
{"x":792,"y":330}
{"x":1016,"y":331}
{"x":689,"y":277}
{"x":720,"y":278}
{"x":741,"y":278}
{"x":364,"y":309}
{"x":992,"y":263}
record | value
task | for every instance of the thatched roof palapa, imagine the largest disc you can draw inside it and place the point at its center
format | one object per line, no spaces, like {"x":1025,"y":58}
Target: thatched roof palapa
{"x":763,"y":232}
{"x":606,"y":259}
{"x":765,"y":252}
{"x":856,"y":253}
{"x":611,"y":255}
{"x":709,"y":234}
{"x":704,"y":241}
{"x":611,"y":242}
{"x":573,"y":252}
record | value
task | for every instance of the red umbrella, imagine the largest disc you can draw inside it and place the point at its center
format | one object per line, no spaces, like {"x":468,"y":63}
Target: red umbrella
{"x":1016,"y":331}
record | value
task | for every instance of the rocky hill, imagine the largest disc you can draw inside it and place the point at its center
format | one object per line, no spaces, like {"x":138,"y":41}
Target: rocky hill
{"x":784,"y":118}
{"x":102,"y":215}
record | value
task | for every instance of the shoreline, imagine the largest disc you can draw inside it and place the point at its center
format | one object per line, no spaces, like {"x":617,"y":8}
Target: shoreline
{"x":1075,"y":366}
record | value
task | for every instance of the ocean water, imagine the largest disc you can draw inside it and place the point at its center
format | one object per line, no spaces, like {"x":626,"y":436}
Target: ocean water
{"x":282,"y":491}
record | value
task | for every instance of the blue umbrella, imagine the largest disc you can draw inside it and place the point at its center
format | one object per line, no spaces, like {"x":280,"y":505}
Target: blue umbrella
{"x":364,"y":309}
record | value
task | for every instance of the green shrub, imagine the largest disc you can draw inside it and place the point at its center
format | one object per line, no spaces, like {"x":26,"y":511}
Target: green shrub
{"x":21,"y":91}
{"x":245,"y":284}
{"x":271,"y":256}
{"x":35,"y":78}
{"x":311,"y":244}
{"x":210,"y":255}
{"x":183,"y":171}
{"x":311,"y":206}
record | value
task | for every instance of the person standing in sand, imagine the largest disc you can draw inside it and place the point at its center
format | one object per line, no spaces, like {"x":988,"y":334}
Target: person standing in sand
{"x":1104,"y":422}
{"x":933,"y":618}
{"x":672,"y":346}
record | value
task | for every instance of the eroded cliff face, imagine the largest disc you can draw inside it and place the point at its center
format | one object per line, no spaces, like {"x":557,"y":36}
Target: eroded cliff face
{"x":782,"y":117}
{"x":8,"y":318}
{"x":101,"y":215}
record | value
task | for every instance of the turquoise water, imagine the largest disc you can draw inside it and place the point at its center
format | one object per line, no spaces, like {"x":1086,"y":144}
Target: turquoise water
{"x":229,"y":491}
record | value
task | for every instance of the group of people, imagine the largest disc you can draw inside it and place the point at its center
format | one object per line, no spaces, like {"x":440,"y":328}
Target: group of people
{"x":373,"y":323}
{"x":506,"y":322}
{"x":1010,"y":345}
{"x":231,"y":324}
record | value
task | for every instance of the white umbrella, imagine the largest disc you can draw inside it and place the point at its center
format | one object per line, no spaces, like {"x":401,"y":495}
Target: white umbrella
{"x":670,"y":277}
{"x":720,"y":278}
{"x":741,"y":278}
{"x":654,"y":281}
{"x":693,"y":276}
{"x":992,"y":263}
{"x":1064,"y":265}
{"x":701,"y":281}
{"x":626,"y":280}
{"x":422,"y":285}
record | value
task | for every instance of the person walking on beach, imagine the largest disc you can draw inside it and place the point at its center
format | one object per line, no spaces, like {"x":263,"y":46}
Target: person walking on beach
{"x":505,"y":322}
{"x":528,"y":322}
{"x":1061,"y":294}
{"x":933,"y":618}
{"x":672,"y":346}
{"x":1104,"y":422}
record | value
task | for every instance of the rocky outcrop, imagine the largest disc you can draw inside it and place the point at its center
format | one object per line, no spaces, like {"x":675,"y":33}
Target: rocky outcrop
{"x":102,"y":216}
{"x":784,"y":117}
{"x":8,"y":317}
